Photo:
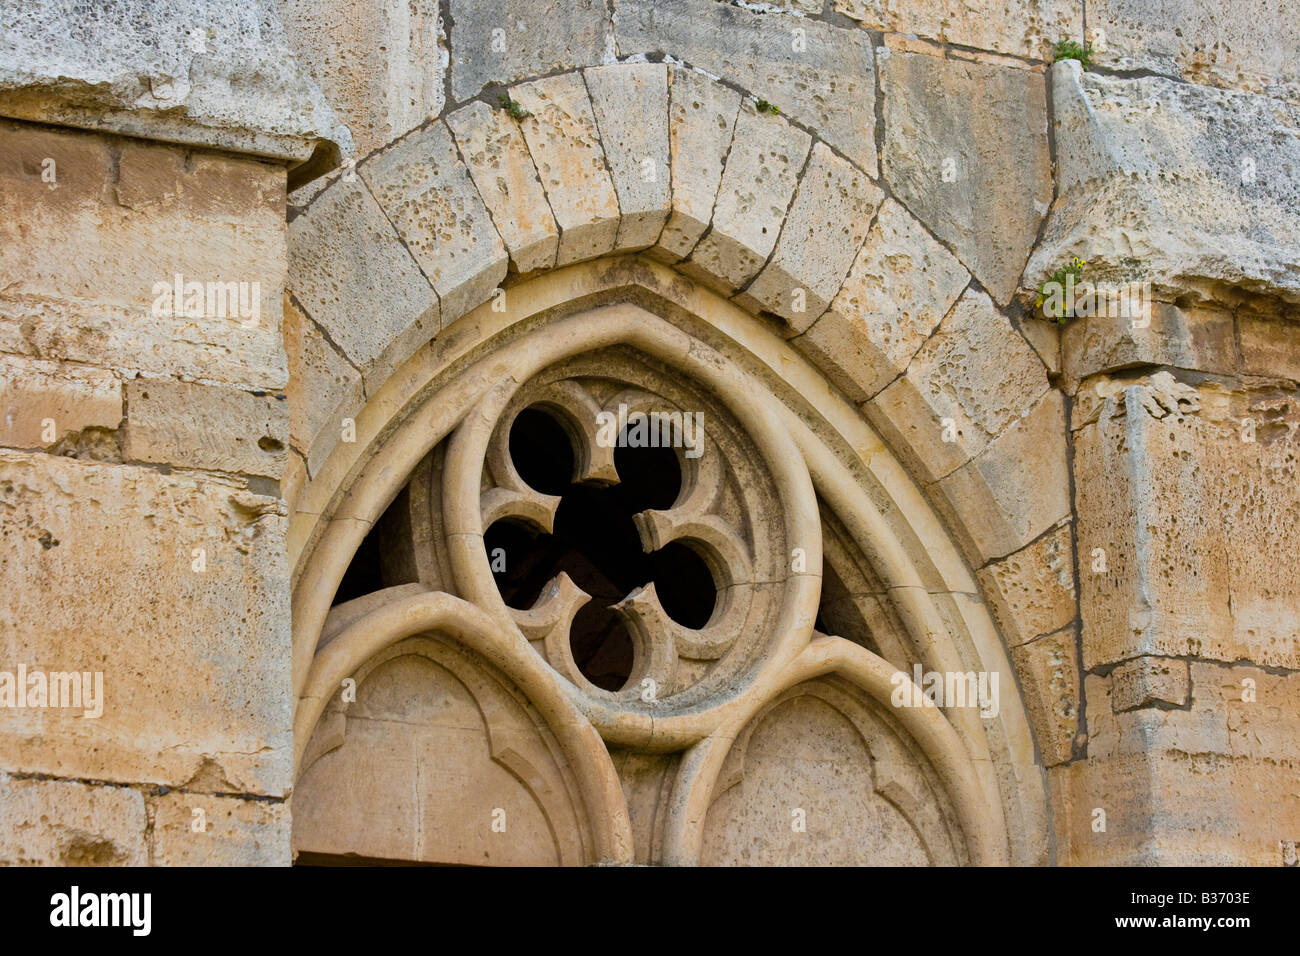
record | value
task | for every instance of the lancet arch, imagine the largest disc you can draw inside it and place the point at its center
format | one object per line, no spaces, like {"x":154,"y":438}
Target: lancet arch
{"x":785,"y":450}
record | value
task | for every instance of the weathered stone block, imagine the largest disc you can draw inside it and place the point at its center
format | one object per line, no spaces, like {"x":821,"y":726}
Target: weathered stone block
{"x":1172,"y":808}
{"x":758,"y":183}
{"x":426,"y":194}
{"x":562,"y":137}
{"x":1015,"y":489}
{"x":1031,"y":592}
{"x":216,"y":73}
{"x":981,"y":179}
{"x":350,"y":271}
{"x":701,"y":120}
{"x":1186,"y":501}
{"x":1269,"y":346}
{"x":900,"y":287}
{"x":822,"y":76}
{"x":41,"y":402}
{"x":1199,"y":727}
{"x":131,"y":225}
{"x":62,"y":823}
{"x":1191,"y":338}
{"x":1172,"y":183}
{"x":498,"y":160}
{"x":511,"y":40}
{"x":233,"y":832}
{"x":175,"y":589}
{"x":1049,"y":673}
{"x":1020,"y":27}
{"x":324,"y":388}
{"x":206,"y":426}
{"x":968,"y":383}
{"x":1249,"y":44}
{"x":379,"y":64}
{"x":1263,"y":709}
{"x":1145,"y":681}
{"x":634,"y":131}
{"x":822,"y":233}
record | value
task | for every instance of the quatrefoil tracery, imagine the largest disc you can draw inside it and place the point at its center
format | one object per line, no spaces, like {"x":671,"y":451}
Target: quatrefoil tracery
{"x":725,"y":512}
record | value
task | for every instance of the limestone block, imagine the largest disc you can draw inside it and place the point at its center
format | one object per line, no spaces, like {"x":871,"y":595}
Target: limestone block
{"x":1015,"y":489}
{"x":379,"y":64}
{"x":1157,"y":704}
{"x":758,"y":183}
{"x":427,"y":195}
{"x":294,"y":479}
{"x":216,"y":73}
{"x":807,"y":8}
{"x":822,"y":234}
{"x":634,"y":132}
{"x":1191,"y":338}
{"x":131,"y":225}
{"x":498,"y":160}
{"x":1020,"y":27}
{"x":349,"y":270}
{"x":971,"y":380}
{"x":1173,"y":809}
{"x":701,"y":120}
{"x":1146,"y":681}
{"x":206,"y":426}
{"x":900,"y":287}
{"x":62,"y":823}
{"x":175,"y":589}
{"x":1269,"y":346}
{"x":1249,"y":44}
{"x":41,"y":402}
{"x":1049,"y":673}
{"x":562,"y":137}
{"x":323,"y":388}
{"x":1031,"y":592}
{"x":509,"y":40}
{"x":980,"y":179}
{"x":1173,"y":183}
{"x":229,"y":832}
{"x":1199,"y":726}
{"x":821,"y":75}
{"x":1187,"y":504}
{"x":1263,"y":709}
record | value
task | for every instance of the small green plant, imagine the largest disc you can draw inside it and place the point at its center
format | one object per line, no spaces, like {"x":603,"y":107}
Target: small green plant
{"x":763,"y":106}
{"x":1054,"y":289}
{"x":513,"y":108}
{"x":1072,"y":50}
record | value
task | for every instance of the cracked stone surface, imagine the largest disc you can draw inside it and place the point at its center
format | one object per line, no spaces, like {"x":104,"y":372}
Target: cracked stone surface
{"x":216,"y":73}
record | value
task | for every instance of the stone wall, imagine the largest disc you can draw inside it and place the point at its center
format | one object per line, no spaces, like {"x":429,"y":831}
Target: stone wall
{"x":1116,"y":498}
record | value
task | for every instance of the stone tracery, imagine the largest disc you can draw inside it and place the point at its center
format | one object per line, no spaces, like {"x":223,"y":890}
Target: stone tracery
{"x":708,"y":678}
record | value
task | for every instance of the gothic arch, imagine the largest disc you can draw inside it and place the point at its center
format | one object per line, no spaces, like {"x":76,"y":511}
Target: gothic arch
{"x":647,"y":271}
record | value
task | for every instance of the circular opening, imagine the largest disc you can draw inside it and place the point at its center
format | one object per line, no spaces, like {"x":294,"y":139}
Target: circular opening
{"x":601,"y":646}
{"x":684,"y":584}
{"x":519,"y":558}
{"x":649,"y":478}
{"x":541,"y":451}
{"x":595,"y":542}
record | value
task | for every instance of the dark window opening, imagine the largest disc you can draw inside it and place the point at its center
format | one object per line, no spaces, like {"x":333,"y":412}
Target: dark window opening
{"x":365,"y":573}
{"x":596,"y":543}
{"x":541,"y":452}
